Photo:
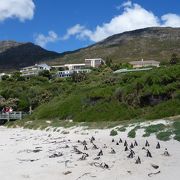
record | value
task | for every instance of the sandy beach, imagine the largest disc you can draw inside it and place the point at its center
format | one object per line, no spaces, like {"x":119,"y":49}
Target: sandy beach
{"x":49,"y":155}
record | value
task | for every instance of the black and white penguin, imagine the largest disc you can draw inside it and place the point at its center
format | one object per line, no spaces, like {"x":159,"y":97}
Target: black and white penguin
{"x":158,"y":146}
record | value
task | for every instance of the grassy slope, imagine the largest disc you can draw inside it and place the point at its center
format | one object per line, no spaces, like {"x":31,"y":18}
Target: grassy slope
{"x":95,"y":100}
{"x":101,"y":97}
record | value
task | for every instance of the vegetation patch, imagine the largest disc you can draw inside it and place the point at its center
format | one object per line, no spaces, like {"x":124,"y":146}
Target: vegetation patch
{"x":113,"y":133}
{"x":153,"y":129}
{"x":99,"y":97}
{"x":132,"y":133}
{"x":176,"y":126}
{"x":121,"y":129}
{"x":164,"y":136}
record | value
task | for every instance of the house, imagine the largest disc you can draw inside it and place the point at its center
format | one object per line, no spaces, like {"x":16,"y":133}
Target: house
{"x":74,"y":66}
{"x":70,"y":66}
{"x":44,"y":67}
{"x":94,"y":62}
{"x":142,"y":63}
{"x":68,"y":73}
{"x":34,"y":70}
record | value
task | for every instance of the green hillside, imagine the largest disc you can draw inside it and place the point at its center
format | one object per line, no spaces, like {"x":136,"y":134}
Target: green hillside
{"x":98,"y":96}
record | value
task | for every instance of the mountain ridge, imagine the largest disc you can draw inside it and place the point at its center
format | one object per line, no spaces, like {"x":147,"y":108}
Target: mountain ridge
{"x":149,"y":43}
{"x":156,"y":43}
{"x":17,"y":55}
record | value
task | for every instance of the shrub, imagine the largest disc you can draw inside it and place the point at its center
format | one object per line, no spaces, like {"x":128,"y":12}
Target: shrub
{"x":113,"y":133}
{"x":121,"y":129}
{"x":164,"y":136}
{"x":132,"y":133}
{"x":153,"y":129}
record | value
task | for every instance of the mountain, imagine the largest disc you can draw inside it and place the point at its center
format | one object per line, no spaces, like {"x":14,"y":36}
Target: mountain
{"x":5,"y":45}
{"x":14,"y":55}
{"x":157,"y":43}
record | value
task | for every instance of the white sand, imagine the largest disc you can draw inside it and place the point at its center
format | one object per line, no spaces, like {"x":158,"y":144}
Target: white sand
{"x":16,"y":147}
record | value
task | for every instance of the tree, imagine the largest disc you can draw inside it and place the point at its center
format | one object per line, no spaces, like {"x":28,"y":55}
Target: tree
{"x":16,"y":75}
{"x":108,"y":62}
{"x":79,"y":77}
{"x":45,"y":73}
{"x":5,"y":77}
{"x":174,"y":59}
{"x":11,"y":102}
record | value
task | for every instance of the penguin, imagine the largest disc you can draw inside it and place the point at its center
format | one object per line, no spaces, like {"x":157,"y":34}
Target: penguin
{"x":83,"y":157}
{"x":166,"y":153}
{"x":113,"y":151}
{"x":117,"y":143}
{"x":131,"y":155}
{"x":138,"y":160}
{"x":125,"y":143}
{"x":97,"y":158}
{"x":126,"y":148}
{"x":147,"y":144}
{"x":85,"y":148}
{"x":87,"y":155}
{"x":104,"y":165}
{"x":112,"y":140}
{"x":120,"y":140}
{"x":100,"y":153}
{"x":148,"y":154}
{"x":84,"y":143}
{"x":158,"y":146}
{"x":77,"y":150}
{"x":135,"y":143}
{"x":131,"y":146}
{"x":95,"y":147}
{"x":132,"y":152}
{"x":93,"y":138}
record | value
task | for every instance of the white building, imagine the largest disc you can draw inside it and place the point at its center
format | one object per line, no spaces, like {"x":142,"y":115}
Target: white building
{"x":94,"y":62}
{"x":70,"y":66}
{"x":68,"y":73}
{"x":34,"y":70}
{"x":142,"y":63}
{"x":74,"y":66}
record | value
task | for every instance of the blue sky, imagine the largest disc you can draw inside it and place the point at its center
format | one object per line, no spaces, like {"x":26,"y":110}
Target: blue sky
{"x":63,"y":25}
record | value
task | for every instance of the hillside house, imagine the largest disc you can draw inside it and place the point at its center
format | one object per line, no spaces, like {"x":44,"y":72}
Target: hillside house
{"x":142,"y":63}
{"x":94,"y":62}
{"x":70,"y":66}
{"x":34,"y":70}
{"x":68,"y":73}
{"x":74,"y":66}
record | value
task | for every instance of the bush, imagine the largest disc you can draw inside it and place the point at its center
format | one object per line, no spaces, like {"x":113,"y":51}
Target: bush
{"x":153,"y":129}
{"x":176,"y":126}
{"x":132,"y":133}
{"x":113,"y":133}
{"x":121,"y":129}
{"x":164,"y":136}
